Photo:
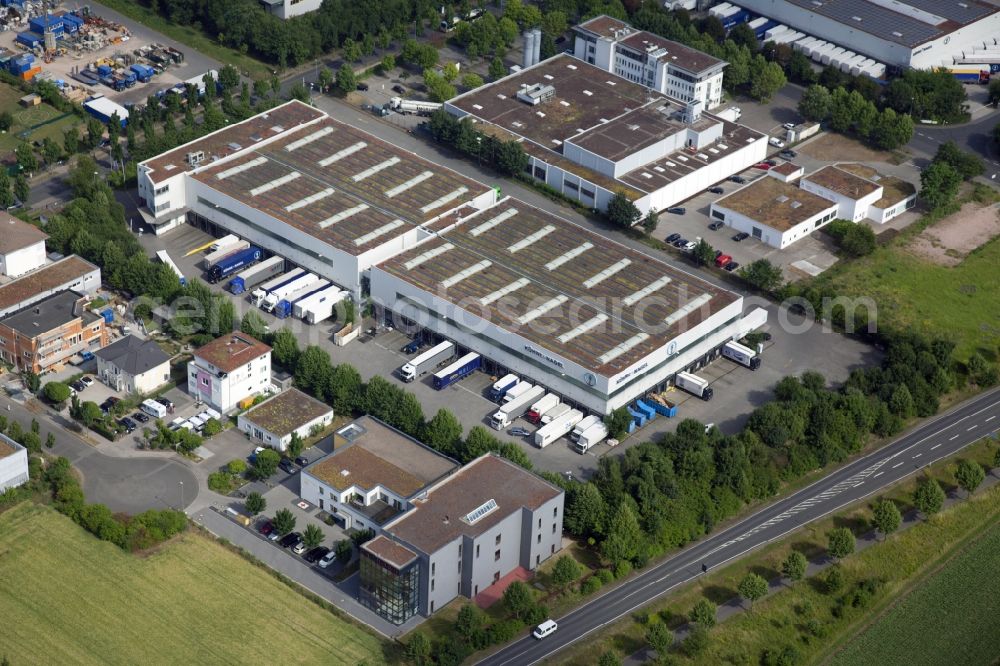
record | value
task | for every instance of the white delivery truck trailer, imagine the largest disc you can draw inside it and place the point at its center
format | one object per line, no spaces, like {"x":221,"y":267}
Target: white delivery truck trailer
{"x":555,"y":413}
{"x":215,"y":257}
{"x":745,"y":356}
{"x":429,"y":360}
{"x":258,"y":294}
{"x":592,"y":436}
{"x":694,"y":385}
{"x":543,"y":405}
{"x":286,"y":289}
{"x":591,"y":420}
{"x":515,"y":407}
{"x":557,"y":428}
{"x":319,"y":307}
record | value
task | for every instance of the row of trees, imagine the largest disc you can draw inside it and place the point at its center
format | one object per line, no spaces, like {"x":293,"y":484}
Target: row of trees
{"x":851,"y":113}
{"x":507,"y":157}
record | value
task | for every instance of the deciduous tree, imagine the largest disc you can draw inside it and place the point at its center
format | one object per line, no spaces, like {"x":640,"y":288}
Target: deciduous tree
{"x":928,"y":498}
{"x":266,"y":464}
{"x":752,"y":588}
{"x":624,"y":535}
{"x":565,"y":571}
{"x":312,"y":535}
{"x":841,"y":542}
{"x":284,"y":521}
{"x":660,"y":638}
{"x":886,"y":517}
{"x":443,"y":432}
{"x":255,"y":503}
{"x":703,"y":613}
{"x":517,"y":599}
{"x":969,"y":475}
{"x":794,"y":566}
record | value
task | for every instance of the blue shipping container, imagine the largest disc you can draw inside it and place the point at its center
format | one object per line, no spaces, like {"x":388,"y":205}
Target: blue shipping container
{"x":29,"y":39}
{"x":109,"y":315}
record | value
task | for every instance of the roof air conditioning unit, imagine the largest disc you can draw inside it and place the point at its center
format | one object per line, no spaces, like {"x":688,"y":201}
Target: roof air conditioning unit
{"x":196,"y":157}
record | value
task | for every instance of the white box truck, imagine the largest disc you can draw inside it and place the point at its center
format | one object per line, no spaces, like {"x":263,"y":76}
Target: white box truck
{"x":694,"y":385}
{"x":429,"y":360}
{"x":285,"y":289}
{"x":515,"y":407}
{"x":543,"y":405}
{"x":591,"y":420}
{"x":258,"y":294}
{"x":592,"y":436}
{"x":745,"y":356}
{"x":557,"y":428}
{"x":224,"y":241}
{"x":319,"y":307}
{"x":516,"y":391}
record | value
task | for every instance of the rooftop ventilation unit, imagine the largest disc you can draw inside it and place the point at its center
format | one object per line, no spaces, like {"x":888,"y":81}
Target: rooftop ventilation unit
{"x":196,"y":157}
{"x":536,"y":94}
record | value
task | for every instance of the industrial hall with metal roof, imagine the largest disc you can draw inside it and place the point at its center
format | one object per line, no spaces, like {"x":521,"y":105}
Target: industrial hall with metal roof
{"x":563,"y":306}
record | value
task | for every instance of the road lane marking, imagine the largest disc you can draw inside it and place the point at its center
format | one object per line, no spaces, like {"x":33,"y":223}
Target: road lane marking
{"x":896,"y":465}
{"x":953,"y":438}
{"x":935,"y":446}
{"x":918,"y":455}
{"x":971,"y":428}
{"x":878,"y":475}
{"x":990,"y":419}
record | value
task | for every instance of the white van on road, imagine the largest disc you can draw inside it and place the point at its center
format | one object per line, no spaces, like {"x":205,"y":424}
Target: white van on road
{"x":544,"y":629}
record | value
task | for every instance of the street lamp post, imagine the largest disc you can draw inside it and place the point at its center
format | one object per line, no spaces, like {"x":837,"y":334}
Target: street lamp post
{"x":182,"y":494}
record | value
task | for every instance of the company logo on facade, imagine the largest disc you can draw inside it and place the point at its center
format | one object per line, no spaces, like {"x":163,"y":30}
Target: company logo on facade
{"x":542,"y":355}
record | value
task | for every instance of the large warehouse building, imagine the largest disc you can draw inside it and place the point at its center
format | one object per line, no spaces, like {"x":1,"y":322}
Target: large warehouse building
{"x":595,"y":321}
{"x":590,"y":134}
{"x":907,"y":33}
{"x":326,"y":196}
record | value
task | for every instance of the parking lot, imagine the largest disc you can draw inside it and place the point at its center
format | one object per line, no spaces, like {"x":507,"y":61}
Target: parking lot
{"x":737,"y":390}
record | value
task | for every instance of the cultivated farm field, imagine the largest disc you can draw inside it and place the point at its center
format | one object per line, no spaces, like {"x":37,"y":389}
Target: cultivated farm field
{"x":953,"y":617}
{"x":71,"y":599}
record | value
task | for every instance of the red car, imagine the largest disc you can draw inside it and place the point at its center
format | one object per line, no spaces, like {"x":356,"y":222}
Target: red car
{"x":266,"y":528}
{"x":722,"y":260}
{"x":763,"y":166}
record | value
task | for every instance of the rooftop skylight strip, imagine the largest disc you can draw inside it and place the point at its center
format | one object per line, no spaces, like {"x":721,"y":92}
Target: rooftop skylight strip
{"x":653,"y":287}
{"x":687,"y":309}
{"x":256,"y":162}
{"x":606,"y":273}
{"x":451,"y":196}
{"x":520,"y":283}
{"x":428,"y":255}
{"x":274,"y":184}
{"x":468,"y":272}
{"x":489,"y":224}
{"x":542,"y":309}
{"x":311,"y":199}
{"x":569,"y":256}
{"x":381,"y":231}
{"x":628,"y":345}
{"x":309,"y":138}
{"x":343,"y":215}
{"x":583,"y":328}
{"x":413,"y":182}
{"x":372,"y":170}
{"x":531,"y":239}
{"x":341,"y":154}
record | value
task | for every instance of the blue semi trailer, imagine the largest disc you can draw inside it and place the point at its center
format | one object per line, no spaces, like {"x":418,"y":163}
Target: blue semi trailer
{"x":233,"y":263}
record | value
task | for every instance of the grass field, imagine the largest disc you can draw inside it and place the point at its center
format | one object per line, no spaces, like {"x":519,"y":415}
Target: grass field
{"x":25,"y":118}
{"x":71,"y":599}
{"x":960,"y":302}
{"x":965,"y":593}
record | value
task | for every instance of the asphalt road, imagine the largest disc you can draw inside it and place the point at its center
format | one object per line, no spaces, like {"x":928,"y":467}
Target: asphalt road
{"x":934,"y":439}
{"x":975,"y":137}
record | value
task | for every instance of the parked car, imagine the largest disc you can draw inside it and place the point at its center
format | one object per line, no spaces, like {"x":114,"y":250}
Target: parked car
{"x":274,"y":535}
{"x":327,"y":559}
{"x":87,"y":380}
{"x":690,"y":245}
{"x":316,"y":554}
{"x":731,"y":266}
{"x":716,"y":190}
{"x":672,"y":237}
{"x":266,"y":528}
{"x":252,"y":458}
{"x":776,"y":142}
{"x":362,"y":86}
{"x":518,"y":432}
{"x":718,"y":224}
{"x":87,"y":356}
{"x":741,"y":236}
{"x":737,"y":179}
{"x":288,"y":466}
{"x":789,"y":125}
{"x":109,"y":404}
{"x":301,"y":461}
{"x":680,"y":242}
{"x":290,"y":540}
{"x":166,"y":403}
{"x":128,"y":424}
{"x":677,"y":210}
{"x":722,"y":259}
{"x":763,"y":166}
{"x":299,"y":547}
{"x":399,"y":89}
{"x":140,"y":417}
{"x":412,"y":347}
{"x":78,"y":386}
{"x":772,"y":163}
{"x":788,"y":154}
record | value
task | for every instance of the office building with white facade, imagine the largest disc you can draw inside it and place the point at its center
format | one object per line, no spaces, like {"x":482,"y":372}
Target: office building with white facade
{"x":286,"y":9}
{"x":861,"y":192}
{"x":463,"y":534}
{"x":13,"y":463}
{"x":590,"y":134}
{"x":920,"y":34}
{"x":666,"y":66}
{"x":229,"y":370}
{"x":22,"y":246}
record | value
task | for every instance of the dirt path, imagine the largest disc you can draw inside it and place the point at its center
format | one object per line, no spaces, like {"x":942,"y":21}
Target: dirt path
{"x":952,"y":239}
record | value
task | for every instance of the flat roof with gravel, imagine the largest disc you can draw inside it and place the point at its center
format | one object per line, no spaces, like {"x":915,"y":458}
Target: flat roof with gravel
{"x":894,"y":190}
{"x":843,"y":182}
{"x":287,"y":412}
{"x":775,"y":204}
